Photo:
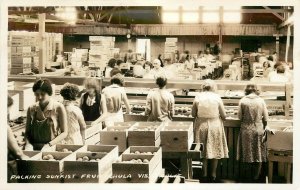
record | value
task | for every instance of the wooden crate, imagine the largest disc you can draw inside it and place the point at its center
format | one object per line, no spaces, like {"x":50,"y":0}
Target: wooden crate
{"x":177,"y":137}
{"x":116,"y":135}
{"x":48,"y":171}
{"x":93,"y":139}
{"x":91,"y":130}
{"x":145,"y":150}
{"x":281,"y":140}
{"x":92,"y":172}
{"x":70,"y":147}
{"x":124,"y":172}
{"x":145,"y":134}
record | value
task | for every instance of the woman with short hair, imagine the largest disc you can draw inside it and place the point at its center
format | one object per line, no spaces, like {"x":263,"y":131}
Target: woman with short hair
{"x":209,"y":113}
{"x":160,"y":102}
{"x":46,"y":123}
{"x":253,"y":115}
{"x":115,"y":95}
{"x":76,"y":123}
{"x":92,"y":103}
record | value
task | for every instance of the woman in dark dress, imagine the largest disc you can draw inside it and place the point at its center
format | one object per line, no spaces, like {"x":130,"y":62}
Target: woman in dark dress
{"x":92,"y":104}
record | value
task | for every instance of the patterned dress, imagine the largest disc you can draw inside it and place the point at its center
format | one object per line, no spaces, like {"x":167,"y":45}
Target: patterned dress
{"x":252,"y":111}
{"x":209,"y":129}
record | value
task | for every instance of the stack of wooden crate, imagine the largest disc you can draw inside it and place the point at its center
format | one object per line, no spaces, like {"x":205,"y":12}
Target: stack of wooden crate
{"x":22,"y":50}
{"x":138,"y":164}
{"x":101,"y":50}
{"x":170,"y":48}
{"x":67,"y":166}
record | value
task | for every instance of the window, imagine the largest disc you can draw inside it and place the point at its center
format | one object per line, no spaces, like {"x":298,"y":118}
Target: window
{"x":190,"y":17}
{"x":232,"y":17}
{"x":170,"y":17}
{"x":210,"y":17}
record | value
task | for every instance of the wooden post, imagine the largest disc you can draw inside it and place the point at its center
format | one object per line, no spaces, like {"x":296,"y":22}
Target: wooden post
{"x":277,"y":44}
{"x":287,"y":43}
{"x":42,"y":43}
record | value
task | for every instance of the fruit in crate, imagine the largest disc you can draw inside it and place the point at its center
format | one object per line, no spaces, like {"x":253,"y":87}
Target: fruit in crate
{"x":48,"y":157}
{"x":66,"y":150}
{"x":145,"y":161}
{"x":137,"y":152}
{"x":79,"y":159}
{"x":85,"y":158}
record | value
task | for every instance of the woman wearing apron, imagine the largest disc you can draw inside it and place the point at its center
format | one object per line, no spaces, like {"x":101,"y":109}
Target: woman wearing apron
{"x":76,"y":123}
{"x":209,"y":113}
{"x":14,"y":151}
{"x":92,"y":103}
{"x":46,"y":123}
{"x":115,"y":95}
{"x":160,"y":102}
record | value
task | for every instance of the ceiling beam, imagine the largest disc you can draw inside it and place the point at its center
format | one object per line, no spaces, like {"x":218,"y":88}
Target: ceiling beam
{"x":274,"y":13}
{"x":289,"y":21}
{"x":107,"y":12}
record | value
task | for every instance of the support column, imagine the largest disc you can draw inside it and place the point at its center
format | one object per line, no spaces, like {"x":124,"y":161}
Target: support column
{"x":42,"y":43}
{"x":277,"y":44}
{"x":288,"y":36}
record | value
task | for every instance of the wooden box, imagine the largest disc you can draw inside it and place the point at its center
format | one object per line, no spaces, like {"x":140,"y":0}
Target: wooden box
{"x":44,"y":171}
{"x":281,"y":140}
{"x":177,"y":137}
{"x":145,"y":134}
{"x":93,"y":140}
{"x":130,"y":172}
{"x":145,"y":150}
{"x":66,"y":148}
{"x":98,"y":171}
{"x":92,"y":129}
{"x":116,"y":135}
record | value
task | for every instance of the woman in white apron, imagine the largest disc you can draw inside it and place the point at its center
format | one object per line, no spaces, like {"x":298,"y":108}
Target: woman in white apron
{"x":115,"y":95}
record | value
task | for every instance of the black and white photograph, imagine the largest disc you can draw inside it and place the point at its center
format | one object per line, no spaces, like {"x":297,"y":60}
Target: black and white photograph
{"x":185,"y":94}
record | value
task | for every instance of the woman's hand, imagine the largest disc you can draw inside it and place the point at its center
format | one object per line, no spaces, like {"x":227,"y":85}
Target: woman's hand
{"x":272,"y":131}
{"x":24,"y":157}
{"x":28,"y":147}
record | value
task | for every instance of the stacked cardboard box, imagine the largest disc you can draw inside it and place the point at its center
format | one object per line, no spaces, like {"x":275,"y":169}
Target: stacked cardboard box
{"x":170,"y":48}
{"x":101,"y":50}
{"x":78,"y":56}
{"x":23,"y":49}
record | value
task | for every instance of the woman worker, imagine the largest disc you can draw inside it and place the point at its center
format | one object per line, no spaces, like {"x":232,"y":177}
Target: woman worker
{"x":209,"y":113}
{"x":46,"y":123}
{"x":115,"y":95}
{"x":14,"y":151}
{"x":160,"y":102}
{"x":253,"y":115}
{"x":92,"y":103}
